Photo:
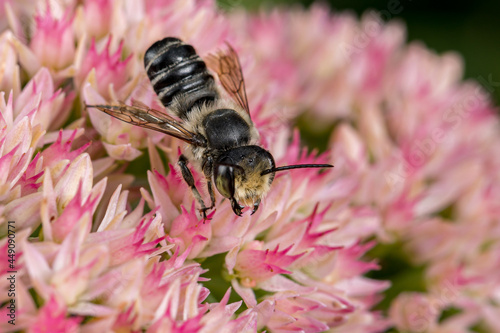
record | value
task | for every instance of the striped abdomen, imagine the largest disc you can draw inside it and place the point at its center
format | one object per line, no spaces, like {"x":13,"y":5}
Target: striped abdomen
{"x":176,"y":71}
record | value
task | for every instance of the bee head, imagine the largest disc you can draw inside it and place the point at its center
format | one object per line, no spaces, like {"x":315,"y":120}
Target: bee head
{"x":238,"y":176}
{"x":244,"y":175}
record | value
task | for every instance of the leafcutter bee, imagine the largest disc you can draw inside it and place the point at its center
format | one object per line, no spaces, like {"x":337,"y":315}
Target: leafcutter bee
{"x":223,"y":141}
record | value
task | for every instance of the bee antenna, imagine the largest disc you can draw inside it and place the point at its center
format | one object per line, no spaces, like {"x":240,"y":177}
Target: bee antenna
{"x":296,"y":166}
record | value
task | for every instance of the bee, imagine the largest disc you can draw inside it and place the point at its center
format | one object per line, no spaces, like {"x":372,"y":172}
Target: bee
{"x":222,"y":138}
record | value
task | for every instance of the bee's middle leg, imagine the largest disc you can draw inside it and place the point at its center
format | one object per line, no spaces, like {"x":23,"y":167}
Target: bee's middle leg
{"x":188,"y":178}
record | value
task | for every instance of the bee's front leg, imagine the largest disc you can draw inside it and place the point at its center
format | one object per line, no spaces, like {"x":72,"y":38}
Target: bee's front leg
{"x":208,"y":166}
{"x":188,"y":178}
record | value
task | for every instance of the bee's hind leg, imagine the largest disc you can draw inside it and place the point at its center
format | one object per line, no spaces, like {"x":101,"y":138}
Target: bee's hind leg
{"x":188,"y":178}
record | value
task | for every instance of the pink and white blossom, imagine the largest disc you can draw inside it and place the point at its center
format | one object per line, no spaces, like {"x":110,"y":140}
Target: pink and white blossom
{"x":102,"y":247}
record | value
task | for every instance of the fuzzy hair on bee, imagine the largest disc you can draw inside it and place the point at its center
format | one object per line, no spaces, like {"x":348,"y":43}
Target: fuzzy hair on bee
{"x":195,"y":118}
{"x":222,"y":139}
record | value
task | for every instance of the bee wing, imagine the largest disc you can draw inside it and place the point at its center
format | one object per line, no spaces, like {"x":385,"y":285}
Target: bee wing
{"x":227,"y":66}
{"x":140,"y":115}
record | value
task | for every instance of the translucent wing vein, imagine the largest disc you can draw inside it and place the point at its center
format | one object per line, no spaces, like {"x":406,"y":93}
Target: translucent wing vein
{"x":228,"y":68}
{"x":140,"y":115}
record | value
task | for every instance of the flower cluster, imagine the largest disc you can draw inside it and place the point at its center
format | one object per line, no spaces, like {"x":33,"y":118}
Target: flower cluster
{"x":419,"y":146}
{"x":100,"y":247}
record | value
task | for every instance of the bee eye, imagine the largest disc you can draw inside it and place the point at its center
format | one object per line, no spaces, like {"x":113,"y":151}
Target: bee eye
{"x":224,"y":180}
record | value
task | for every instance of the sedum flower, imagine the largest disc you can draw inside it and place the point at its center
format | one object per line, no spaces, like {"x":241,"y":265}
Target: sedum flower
{"x":53,"y":316}
{"x":9,"y":76}
{"x":53,"y":40}
{"x":415,"y":153}
{"x":118,"y":144}
{"x":417,"y":147}
{"x":254,"y":264}
{"x":95,"y":18}
{"x":109,"y":69}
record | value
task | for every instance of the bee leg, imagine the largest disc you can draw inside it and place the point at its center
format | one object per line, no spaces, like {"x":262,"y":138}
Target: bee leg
{"x":188,"y":178}
{"x":212,"y":197}
{"x":236,"y":207}
{"x":207,"y":171}
{"x":255,"y":206}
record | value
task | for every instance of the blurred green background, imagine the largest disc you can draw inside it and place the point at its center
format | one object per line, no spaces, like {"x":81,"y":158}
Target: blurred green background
{"x":470,"y":27}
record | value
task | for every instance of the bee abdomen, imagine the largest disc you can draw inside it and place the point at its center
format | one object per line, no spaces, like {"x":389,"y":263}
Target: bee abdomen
{"x":176,"y":71}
